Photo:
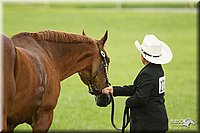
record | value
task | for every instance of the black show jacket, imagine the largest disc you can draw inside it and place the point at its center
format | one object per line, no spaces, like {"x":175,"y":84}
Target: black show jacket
{"x":148,"y":112}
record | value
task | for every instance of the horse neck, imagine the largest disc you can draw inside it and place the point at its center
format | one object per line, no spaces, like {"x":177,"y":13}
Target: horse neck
{"x":71,"y":58}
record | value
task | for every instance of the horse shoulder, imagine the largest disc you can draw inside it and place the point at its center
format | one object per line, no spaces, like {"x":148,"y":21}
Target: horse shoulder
{"x":41,"y":81}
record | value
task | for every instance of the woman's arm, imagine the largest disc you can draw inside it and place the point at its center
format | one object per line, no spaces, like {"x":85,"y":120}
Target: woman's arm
{"x":126,"y":90}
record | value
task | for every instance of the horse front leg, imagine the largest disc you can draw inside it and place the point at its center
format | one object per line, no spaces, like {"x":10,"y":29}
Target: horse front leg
{"x":43,"y":117}
{"x":42,"y":120}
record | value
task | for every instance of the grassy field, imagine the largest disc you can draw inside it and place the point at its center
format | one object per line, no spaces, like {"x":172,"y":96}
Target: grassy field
{"x":76,"y":109}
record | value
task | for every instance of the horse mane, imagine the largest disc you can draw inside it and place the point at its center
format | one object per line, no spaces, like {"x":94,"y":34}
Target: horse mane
{"x":58,"y":36}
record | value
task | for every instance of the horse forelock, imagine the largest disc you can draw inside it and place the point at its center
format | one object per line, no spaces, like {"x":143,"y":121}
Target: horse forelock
{"x":59,"y":36}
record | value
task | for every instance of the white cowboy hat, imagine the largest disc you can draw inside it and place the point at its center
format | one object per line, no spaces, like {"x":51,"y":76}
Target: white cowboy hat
{"x":154,"y":50}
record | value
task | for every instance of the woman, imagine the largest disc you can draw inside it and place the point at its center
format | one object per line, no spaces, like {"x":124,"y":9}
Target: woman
{"x":146,"y":101}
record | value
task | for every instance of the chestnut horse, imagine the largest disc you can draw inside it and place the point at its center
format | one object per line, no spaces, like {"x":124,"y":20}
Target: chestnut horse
{"x":35,"y":64}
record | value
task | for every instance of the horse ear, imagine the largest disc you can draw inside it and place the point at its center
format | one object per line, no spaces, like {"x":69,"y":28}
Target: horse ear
{"x":83,"y":33}
{"x":104,"y":38}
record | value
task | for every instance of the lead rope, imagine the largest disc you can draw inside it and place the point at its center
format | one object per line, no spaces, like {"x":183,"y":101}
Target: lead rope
{"x":126,"y":117}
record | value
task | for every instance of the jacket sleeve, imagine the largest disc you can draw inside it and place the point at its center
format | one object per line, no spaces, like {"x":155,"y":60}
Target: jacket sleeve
{"x":143,"y":90}
{"x":126,"y":90}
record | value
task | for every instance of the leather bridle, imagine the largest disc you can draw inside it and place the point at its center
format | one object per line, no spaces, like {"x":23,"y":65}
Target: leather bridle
{"x":92,"y":89}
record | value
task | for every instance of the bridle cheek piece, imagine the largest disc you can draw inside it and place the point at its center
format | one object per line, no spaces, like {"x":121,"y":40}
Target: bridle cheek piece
{"x":94,"y":91}
{"x":92,"y":88}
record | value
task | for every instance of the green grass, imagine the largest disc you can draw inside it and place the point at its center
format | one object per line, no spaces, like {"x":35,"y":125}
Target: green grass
{"x":76,"y":109}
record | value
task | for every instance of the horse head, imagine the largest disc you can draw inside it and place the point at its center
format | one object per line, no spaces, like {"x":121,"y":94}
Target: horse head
{"x":96,"y":76}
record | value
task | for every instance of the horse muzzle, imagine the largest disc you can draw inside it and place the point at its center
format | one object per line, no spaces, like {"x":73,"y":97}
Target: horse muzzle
{"x":103,"y":100}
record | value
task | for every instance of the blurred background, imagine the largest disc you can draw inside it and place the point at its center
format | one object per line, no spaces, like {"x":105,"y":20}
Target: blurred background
{"x":126,"y":20}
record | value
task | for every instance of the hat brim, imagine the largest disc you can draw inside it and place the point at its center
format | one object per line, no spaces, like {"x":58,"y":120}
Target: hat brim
{"x":165,"y":57}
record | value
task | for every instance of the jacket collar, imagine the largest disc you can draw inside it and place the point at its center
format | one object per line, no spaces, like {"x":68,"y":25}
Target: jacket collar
{"x":150,"y":65}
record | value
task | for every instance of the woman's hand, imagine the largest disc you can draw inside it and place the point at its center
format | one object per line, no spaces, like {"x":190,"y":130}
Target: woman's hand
{"x":107,"y":90}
